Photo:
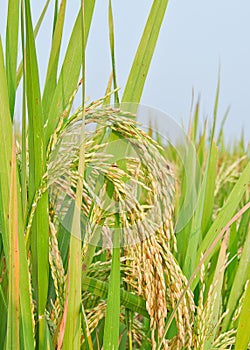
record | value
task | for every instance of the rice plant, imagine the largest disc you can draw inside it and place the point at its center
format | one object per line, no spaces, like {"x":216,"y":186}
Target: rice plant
{"x":112,"y":238}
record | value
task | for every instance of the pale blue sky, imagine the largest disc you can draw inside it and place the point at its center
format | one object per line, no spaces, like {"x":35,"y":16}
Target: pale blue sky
{"x":195,"y":38}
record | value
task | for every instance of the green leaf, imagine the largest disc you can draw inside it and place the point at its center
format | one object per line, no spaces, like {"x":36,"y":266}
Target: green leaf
{"x":25,"y":285}
{"x":216,"y":103}
{"x":195,"y":122}
{"x":4,"y":312}
{"x":72,"y":334}
{"x":241,"y":277}
{"x":55,"y":15}
{"x":11,"y":50}
{"x":243,"y":334}
{"x":112,"y":317}
{"x":5,"y":154}
{"x":144,"y":54}
{"x":37,"y":167}
{"x":51,"y":77}
{"x":112,"y":50}
{"x":19,"y":281}
{"x":70,"y":71}
{"x":225,"y":214}
{"x":210,"y":189}
{"x":86,"y":332}
{"x":72,"y":331}
{"x":24,"y":123}
{"x":107,"y":98}
{"x":217,"y":293}
{"x":12,"y":336}
{"x":221,"y":132}
{"x":36,"y":30}
{"x":129,"y":300}
{"x":203,"y":210}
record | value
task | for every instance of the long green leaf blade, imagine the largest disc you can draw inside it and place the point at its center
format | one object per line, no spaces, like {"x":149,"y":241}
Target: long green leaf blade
{"x":241,"y":277}
{"x":25,"y":285}
{"x":225,"y":214}
{"x":51,"y":77}
{"x":24,"y":122}
{"x":210,"y":189}
{"x":196,"y":227}
{"x":37,"y":166}
{"x":243,"y":334}
{"x":144,"y":54}
{"x":129,"y":300}
{"x":217,"y":293}
{"x":36,"y":30}
{"x":70,"y":70}
{"x":12,"y":337}
{"x":73,"y":317}
{"x":112,"y":49}
{"x":72,"y":331}
{"x":11,"y":50}
{"x":112,"y":318}
{"x":5,"y":154}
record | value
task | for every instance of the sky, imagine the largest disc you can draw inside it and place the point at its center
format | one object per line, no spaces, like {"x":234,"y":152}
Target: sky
{"x":196,"y":38}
